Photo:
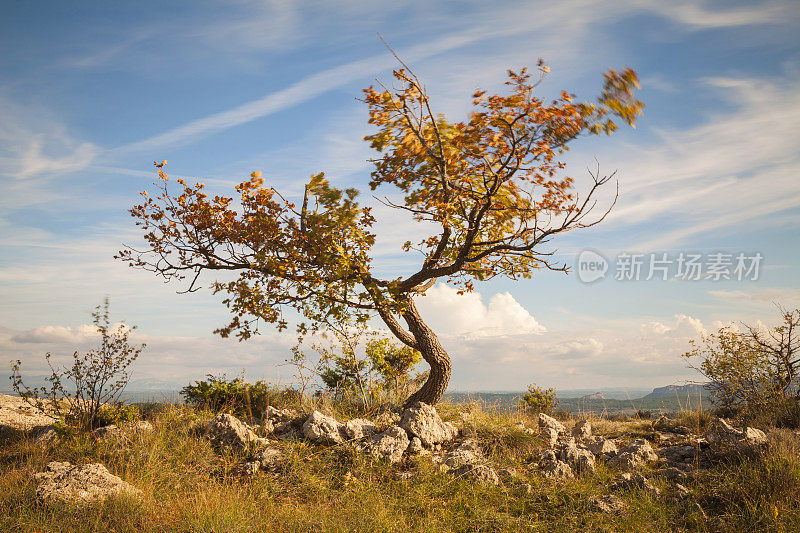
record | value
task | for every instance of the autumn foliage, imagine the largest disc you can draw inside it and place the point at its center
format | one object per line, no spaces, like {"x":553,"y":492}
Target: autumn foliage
{"x":492,"y":185}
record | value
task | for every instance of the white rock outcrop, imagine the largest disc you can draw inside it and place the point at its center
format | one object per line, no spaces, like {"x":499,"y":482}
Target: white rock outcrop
{"x":84,"y":484}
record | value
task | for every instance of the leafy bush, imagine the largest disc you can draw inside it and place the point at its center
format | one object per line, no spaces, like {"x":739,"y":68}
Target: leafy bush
{"x":80,"y":394}
{"x":234,"y":396}
{"x":539,"y":400}
{"x":754,"y":373}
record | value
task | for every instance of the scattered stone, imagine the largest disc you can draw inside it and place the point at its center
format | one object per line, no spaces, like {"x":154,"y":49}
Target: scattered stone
{"x":634,"y":455}
{"x":481,"y":473}
{"x":550,"y":422}
{"x":323,"y":429}
{"x":387,"y":418}
{"x":608,"y":503}
{"x":582,"y":430}
{"x":63,"y":482}
{"x":421,"y":420}
{"x":467,"y":452}
{"x":601,"y":446}
{"x":388,"y":445}
{"x":281,"y":415}
{"x":227,"y":431}
{"x":358,"y":428}
{"x":550,"y":436}
{"x":18,"y":417}
{"x":682,"y":430}
{"x":679,"y":454}
{"x":725,"y":435}
{"x":269,"y":458}
{"x":629,"y":481}
{"x":556,"y":470}
{"x":581,"y":459}
{"x":415,"y":447}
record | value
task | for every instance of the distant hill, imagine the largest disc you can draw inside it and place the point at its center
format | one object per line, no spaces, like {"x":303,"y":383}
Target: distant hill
{"x":595,"y":396}
{"x":680,"y":391}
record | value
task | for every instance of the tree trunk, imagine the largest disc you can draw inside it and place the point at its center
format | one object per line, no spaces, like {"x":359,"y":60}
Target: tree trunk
{"x":434,"y":354}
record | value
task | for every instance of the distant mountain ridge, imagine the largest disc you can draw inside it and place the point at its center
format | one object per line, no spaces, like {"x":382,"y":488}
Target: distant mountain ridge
{"x":595,"y":396}
{"x":671,"y":391}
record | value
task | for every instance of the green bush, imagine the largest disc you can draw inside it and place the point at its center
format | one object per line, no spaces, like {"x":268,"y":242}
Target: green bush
{"x":117,"y":414}
{"x":235,"y":396}
{"x":753,"y":371}
{"x":539,"y":400}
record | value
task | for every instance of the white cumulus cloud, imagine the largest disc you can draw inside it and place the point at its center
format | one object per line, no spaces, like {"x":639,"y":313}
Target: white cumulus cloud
{"x":465,"y":315}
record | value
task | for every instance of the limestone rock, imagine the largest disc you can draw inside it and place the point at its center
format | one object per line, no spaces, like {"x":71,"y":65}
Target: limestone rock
{"x":628,"y":481}
{"x":556,"y":470}
{"x":582,"y":430}
{"x":389,"y":445}
{"x":82,"y":484}
{"x":608,"y":503}
{"x":358,"y":428}
{"x":421,"y":420}
{"x":725,"y":435}
{"x":550,"y":436}
{"x":550,"y":422}
{"x":679,"y":454}
{"x":465,"y":453}
{"x":323,"y":429}
{"x":415,"y":447}
{"x":634,"y":455}
{"x":269,"y":458}
{"x":580,"y":459}
{"x":280,"y":415}
{"x":227,"y":431}
{"x":601,"y":446}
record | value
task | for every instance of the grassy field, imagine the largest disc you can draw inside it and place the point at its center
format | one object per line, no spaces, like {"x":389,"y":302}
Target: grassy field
{"x":189,"y":487}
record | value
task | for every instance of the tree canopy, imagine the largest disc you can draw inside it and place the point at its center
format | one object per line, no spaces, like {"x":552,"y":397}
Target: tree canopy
{"x":492,"y":185}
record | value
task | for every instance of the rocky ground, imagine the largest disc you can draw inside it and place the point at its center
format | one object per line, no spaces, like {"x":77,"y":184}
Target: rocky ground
{"x":17,"y":415}
{"x":614,"y":470}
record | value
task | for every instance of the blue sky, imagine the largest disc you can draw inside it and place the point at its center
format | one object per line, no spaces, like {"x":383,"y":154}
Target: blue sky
{"x":92,"y":93}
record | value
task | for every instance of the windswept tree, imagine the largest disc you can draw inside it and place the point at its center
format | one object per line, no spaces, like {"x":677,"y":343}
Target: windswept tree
{"x":490,"y":187}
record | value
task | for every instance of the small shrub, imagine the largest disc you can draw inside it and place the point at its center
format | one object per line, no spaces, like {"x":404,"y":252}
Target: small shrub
{"x":117,"y":414}
{"x":539,"y":400}
{"x":754,"y":373}
{"x":234,"y":396}
{"x":96,"y":379}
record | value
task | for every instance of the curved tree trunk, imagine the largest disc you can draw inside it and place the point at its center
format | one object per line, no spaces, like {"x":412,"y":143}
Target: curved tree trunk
{"x":434,"y":354}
